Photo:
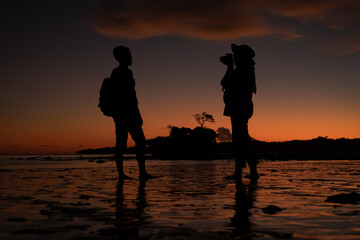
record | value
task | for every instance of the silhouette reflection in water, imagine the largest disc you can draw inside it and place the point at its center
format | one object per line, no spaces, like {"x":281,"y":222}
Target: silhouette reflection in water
{"x":129,"y":220}
{"x":244,"y":201}
{"x":238,"y":86}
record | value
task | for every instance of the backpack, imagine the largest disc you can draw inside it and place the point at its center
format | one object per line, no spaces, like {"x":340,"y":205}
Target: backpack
{"x":107,"y":98}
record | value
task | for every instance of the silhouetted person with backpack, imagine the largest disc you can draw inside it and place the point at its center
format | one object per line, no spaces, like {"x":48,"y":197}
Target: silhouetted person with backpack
{"x":238,"y":85}
{"x":118,"y":100}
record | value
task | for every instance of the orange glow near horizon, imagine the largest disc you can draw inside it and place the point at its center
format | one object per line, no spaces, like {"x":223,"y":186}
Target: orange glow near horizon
{"x":65,"y":132}
{"x":99,"y":132}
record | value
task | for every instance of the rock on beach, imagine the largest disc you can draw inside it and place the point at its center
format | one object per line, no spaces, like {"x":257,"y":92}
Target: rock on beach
{"x":351,"y":198}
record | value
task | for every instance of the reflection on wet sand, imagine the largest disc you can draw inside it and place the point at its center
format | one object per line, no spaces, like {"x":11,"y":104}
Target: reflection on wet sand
{"x":192,"y":200}
{"x":244,"y":201}
{"x":129,"y":218}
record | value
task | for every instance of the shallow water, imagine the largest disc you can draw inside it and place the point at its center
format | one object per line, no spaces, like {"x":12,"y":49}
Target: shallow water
{"x":77,"y":199}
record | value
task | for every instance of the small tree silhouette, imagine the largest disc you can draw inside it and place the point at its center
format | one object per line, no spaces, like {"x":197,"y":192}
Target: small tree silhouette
{"x":203,"y":117}
{"x":224,"y":134}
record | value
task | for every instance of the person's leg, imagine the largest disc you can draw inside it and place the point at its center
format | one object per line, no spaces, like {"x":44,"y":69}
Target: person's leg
{"x":236,"y":125}
{"x":120,"y":146}
{"x":138,"y":136}
{"x":252,"y":161}
{"x":249,"y":152}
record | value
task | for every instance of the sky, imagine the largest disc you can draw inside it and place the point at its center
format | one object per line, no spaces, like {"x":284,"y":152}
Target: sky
{"x":55,"y":54}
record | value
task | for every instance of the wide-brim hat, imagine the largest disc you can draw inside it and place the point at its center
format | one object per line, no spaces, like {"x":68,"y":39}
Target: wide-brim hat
{"x":243,"y":50}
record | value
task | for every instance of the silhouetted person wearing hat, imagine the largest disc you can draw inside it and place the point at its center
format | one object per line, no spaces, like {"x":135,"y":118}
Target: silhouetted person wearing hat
{"x":127,"y":116}
{"x":238,"y":86}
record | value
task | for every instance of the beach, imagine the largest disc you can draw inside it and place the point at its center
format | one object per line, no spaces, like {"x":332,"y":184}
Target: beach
{"x":73,"y":197}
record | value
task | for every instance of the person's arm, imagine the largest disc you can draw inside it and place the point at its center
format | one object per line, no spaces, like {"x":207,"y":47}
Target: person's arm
{"x":225,"y":81}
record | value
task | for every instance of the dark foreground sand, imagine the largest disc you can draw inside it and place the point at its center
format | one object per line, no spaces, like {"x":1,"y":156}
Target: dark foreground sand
{"x":192,"y":200}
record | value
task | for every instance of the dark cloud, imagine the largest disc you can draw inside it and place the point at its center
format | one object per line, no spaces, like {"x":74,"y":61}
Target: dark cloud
{"x":210,"y":19}
{"x":342,"y":16}
{"x":223,"y":19}
{"x":332,"y":13}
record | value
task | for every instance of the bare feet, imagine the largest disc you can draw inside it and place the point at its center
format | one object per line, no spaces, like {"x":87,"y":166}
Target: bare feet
{"x":253,"y":177}
{"x":124,"y":177}
{"x":236,"y":177}
{"x":147,"y":176}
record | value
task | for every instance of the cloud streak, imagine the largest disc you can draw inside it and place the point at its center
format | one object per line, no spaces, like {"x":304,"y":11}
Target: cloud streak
{"x":332,"y":13}
{"x":210,"y":19}
{"x":222,"y":19}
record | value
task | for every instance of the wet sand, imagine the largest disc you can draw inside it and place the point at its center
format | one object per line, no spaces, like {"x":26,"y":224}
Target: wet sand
{"x":192,"y":200}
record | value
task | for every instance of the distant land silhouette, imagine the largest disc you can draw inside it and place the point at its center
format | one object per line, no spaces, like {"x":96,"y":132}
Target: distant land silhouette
{"x":187,"y":143}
